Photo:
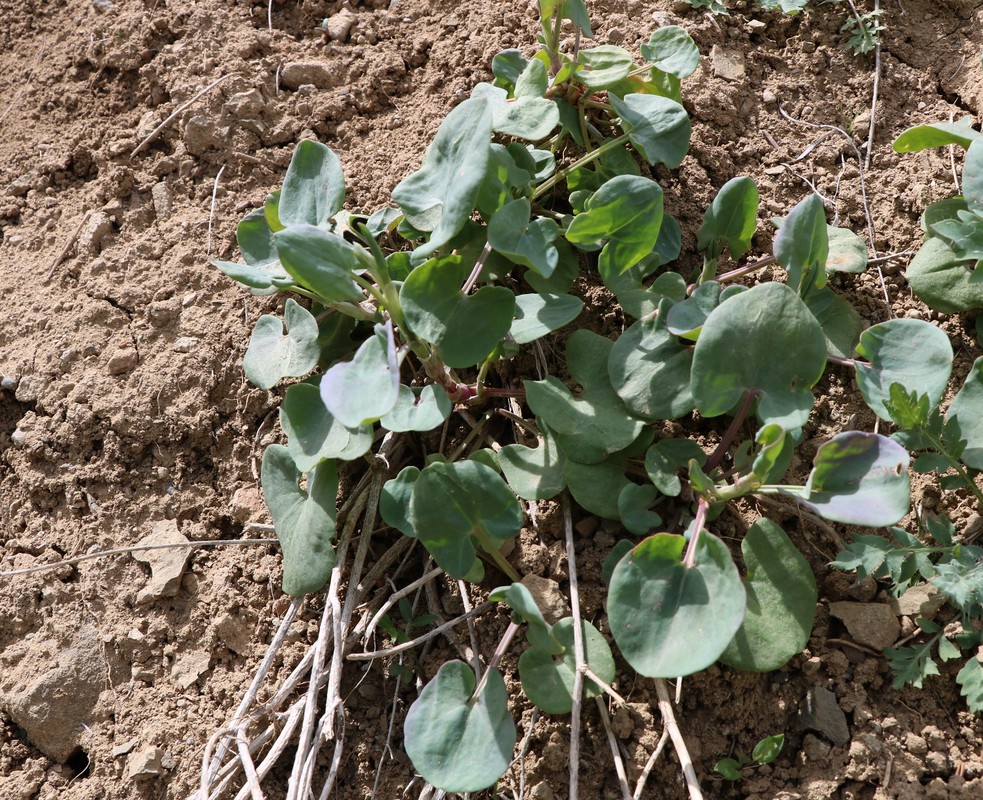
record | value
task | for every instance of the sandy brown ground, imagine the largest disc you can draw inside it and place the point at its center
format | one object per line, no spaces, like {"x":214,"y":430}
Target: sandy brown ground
{"x":123,"y":408}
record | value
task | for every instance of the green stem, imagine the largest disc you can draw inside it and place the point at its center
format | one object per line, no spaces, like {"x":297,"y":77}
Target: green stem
{"x":583,"y":161}
{"x":939,"y":447}
{"x":735,"y":426}
{"x":488,"y":546}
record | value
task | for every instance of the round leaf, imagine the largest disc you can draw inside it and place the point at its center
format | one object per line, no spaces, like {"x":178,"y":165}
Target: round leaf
{"x":911,"y":352}
{"x":320,"y":261}
{"x":313,"y":434}
{"x":539,"y":314}
{"x":671,"y":620}
{"x":530,"y":243}
{"x":672,"y":50}
{"x":360,"y":391}
{"x":767,"y":342}
{"x":457,"y":742}
{"x":781,"y":601}
{"x":548,"y":680}
{"x":941,"y":279}
{"x":658,"y":127}
{"x":731,"y":218}
{"x":534,"y":473}
{"x":314,"y":186}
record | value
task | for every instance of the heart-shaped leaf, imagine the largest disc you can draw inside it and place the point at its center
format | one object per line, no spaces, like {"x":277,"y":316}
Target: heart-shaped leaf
{"x":439,"y":197}
{"x":596,"y":487}
{"x":669,"y":619}
{"x":313,"y":188}
{"x":686,"y":318}
{"x":548,"y":680}
{"x":942,"y":279}
{"x":360,"y":391}
{"x":634,"y":508}
{"x":459,"y":741}
{"x":672,"y":50}
{"x":859,"y":479}
{"x":594,"y":424}
{"x":626,"y":212}
{"x":464,"y":328}
{"x":602,"y":67}
{"x":320,"y":261}
{"x":313,"y":434}
{"x":666,"y":458}
{"x":421,"y":410}
{"x":726,"y":365}
{"x":839,"y":320}
{"x":304,"y":520}
{"x":394,"y":501}
{"x":911,"y":352}
{"x":539,"y":314}
{"x":650,"y":369}
{"x":451,"y":503}
{"x":530,"y":243}
{"x":939,"y":134}
{"x":781,"y":601}
{"x":273,"y":355}
{"x":658,"y":127}
{"x":534,"y":473}
{"x":847,"y":251}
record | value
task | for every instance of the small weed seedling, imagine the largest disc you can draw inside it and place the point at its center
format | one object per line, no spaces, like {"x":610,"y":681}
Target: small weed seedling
{"x":765,"y":751}
{"x":540,"y":181}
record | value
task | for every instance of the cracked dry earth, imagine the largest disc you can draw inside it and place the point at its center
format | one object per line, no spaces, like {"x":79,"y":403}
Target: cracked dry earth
{"x":124,"y":414}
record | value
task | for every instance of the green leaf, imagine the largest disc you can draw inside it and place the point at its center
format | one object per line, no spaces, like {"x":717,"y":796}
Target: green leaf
{"x":504,"y":178}
{"x":650,"y":369}
{"x":728,"y":769}
{"x":525,"y":117}
{"x":947,"y":650}
{"x":451,"y":503}
{"x":859,"y":479}
{"x":531,"y":243}
{"x":594,"y":424}
{"x":508,"y":67}
{"x":520,"y":600}
{"x":534,"y":80}
{"x":841,"y":323}
{"x":271,"y":211}
{"x":273,"y":355}
{"x":394,"y":501}
{"x":802,"y":245}
{"x":736,"y":354}
{"x":966,"y":410}
{"x":847,"y":251}
{"x":942,"y":280}
{"x":360,"y":391}
{"x":304,"y":520}
{"x":539,"y":314}
{"x":731,"y":218}
{"x":313,"y":188}
{"x":911,"y":352}
{"x":596,"y":487}
{"x":421,"y":411}
{"x":440,"y":196}
{"x":669,"y":619}
{"x":911,"y":665}
{"x":626,"y":212}
{"x":939,"y":134}
{"x":320,"y":261}
{"x":970,"y":679}
{"x":456,"y":741}
{"x":964,"y":234}
{"x":534,"y":473}
{"x":659,"y":128}
{"x":687,"y":317}
{"x":781,"y":601}
{"x":548,"y":680}
{"x":973,"y":175}
{"x":768,"y":749}
{"x":313,"y":434}
{"x":672,"y":50}
{"x":464,"y":328}
{"x":634,"y":504}
{"x":576,"y":12}
{"x":602,"y":67}
{"x":666,"y":458}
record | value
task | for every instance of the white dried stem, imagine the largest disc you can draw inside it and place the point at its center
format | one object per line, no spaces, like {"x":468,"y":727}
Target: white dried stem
{"x":619,"y":764}
{"x":650,"y":764}
{"x":678,"y":742}
{"x":578,"y":649}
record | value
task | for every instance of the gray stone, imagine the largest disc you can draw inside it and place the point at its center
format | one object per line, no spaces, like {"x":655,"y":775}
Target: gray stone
{"x":919,"y":601}
{"x":200,"y":134}
{"x":21,"y":185}
{"x":185,"y":344}
{"x":546,"y":592}
{"x":166,"y":565}
{"x":50,"y":690}
{"x":246,"y":105}
{"x":146,"y":763}
{"x":297,"y":73}
{"x":123,"y":360}
{"x":821,"y":713}
{"x":872,"y":624}
{"x":123,"y":749}
{"x":727,"y":64}
{"x":339,"y":26}
{"x":97,"y":227}
{"x":189,"y":667}
{"x":161,"y":197}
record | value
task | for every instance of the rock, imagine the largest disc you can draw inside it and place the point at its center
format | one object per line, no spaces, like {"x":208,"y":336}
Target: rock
{"x":246,"y":105}
{"x":29,"y":389}
{"x":50,"y":690}
{"x":298,"y":73}
{"x":822,"y":714}
{"x":546,"y":592}
{"x":146,"y":763}
{"x":94,"y":232}
{"x":727,"y":64}
{"x":247,"y":504}
{"x":815,"y":749}
{"x":922,"y":600}
{"x":768,"y":97}
{"x":184,"y":344}
{"x":200,"y":134}
{"x":20,"y":186}
{"x":9,"y":382}
{"x":161,"y":197}
{"x":236,"y":632}
{"x":189,"y":667}
{"x":339,"y":26}
{"x":123,"y":749}
{"x":123,"y":360}
{"x":870,"y":624}
{"x":541,"y":791}
{"x":166,"y":565}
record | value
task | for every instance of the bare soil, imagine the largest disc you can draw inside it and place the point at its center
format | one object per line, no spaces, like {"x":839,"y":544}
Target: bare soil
{"x":124,"y":411}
